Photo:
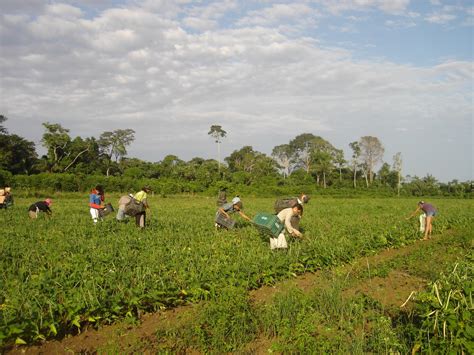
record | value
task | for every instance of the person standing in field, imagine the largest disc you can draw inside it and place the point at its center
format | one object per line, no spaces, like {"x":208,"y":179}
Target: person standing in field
{"x":96,"y":198}
{"x":141,"y":198}
{"x":285,"y":216}
{"x":430,"y":211}
{"x":40,"y":206}
{"x":236,"y":206}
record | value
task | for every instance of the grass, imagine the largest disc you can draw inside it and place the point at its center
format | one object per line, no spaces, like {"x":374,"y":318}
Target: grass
{"x":64,"y":273}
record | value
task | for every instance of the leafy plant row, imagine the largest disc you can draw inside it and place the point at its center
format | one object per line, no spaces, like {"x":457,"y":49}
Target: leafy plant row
{"x":62,"y":274}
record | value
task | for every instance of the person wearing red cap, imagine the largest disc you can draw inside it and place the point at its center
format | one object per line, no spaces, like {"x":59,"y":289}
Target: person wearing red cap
{"x":40,"y":206}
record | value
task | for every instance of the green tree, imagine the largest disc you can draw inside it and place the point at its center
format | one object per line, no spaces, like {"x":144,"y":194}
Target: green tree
{"x":172,"y":166}
{"x":339,"y":161}
{"x":323,"y":165}
{"x":397,"y":166}
{"x":114,"y":144}
{"x":371,"y":154}
{"x":283,"y":156}
{"x":253,"y":164}
{"x":323,"y":155}
{"x":17,"y":155}
{"x":3,"y":130}
{"x":355,"y":146}
{"x":77,"y":153}
{"x":66,"y":154}
{"x":302,"y":148}
{"x":217,"y":133}
{"x":384,"y":174}
{"x":56,"y":140}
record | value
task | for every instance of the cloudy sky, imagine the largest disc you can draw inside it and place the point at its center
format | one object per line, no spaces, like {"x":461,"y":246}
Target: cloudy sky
{"x":400,"y":70}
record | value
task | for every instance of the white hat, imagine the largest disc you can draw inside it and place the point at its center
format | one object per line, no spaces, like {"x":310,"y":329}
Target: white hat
{"x":235,"y":200}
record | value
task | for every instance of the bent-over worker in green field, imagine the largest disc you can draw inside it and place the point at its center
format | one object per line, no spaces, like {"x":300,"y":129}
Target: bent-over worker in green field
{"x":142,"y":198}
{"x":233,"y":207}
{"x":430,"y":211}
{"x":285,"y":216}
{"x":40,"y":206}
{"x":2,"y":199}
{"x":281,"y":204}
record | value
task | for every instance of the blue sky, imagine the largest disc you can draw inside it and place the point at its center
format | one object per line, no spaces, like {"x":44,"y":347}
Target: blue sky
{"x":401,"y":70}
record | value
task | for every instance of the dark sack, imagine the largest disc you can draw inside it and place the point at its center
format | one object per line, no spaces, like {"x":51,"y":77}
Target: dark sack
{"x":134,"y":207}
{"x":284,"y":203}
{"x":107,"y":210}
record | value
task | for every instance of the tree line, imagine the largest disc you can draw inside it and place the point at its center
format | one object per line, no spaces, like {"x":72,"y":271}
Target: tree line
{"x":307,"y":161}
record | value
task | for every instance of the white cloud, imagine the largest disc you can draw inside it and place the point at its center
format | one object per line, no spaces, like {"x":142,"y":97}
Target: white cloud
{"x":388,"y":6}
{"x":213,"y":10}
{"x":440,"y":18}
{"x":141,"y":67}
{"x":277,"y":13}
{"x":63,"y":10}
{"x":199,"y":23}
{"x":403,"y":23}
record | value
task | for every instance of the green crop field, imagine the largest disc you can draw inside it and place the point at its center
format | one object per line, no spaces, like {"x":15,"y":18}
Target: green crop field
{"x":63,"y":273}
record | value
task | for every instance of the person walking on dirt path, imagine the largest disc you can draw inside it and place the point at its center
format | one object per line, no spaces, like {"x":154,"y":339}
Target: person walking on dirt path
{"x":285,"y":216}
{"x":40,"y":206}
{"x":235,"y":206}
{"x":96,"y":198}
{"x":141,"y":198}
{"x":430,"y":211}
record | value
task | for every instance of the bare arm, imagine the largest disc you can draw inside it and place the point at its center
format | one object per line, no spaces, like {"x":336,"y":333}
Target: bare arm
{"x":221,"y":210}
{"x":290,"y":228}
{"x":414,"y":212}
{"x":243,"y":215}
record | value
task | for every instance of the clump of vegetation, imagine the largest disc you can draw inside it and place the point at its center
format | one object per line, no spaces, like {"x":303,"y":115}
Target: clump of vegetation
{"x":443,"y":313}
{"x":63,"y":274}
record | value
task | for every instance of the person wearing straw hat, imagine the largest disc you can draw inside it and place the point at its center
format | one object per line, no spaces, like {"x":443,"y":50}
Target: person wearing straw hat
{"x":40,"y":206}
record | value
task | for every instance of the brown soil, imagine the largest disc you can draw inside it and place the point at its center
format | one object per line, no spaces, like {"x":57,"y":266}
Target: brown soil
{"x":391,"y":291}
{"x":123,"y":337}
{"x":319,"y":279}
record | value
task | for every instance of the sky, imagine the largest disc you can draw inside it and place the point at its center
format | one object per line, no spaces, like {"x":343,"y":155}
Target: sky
{"x":266,"y":71}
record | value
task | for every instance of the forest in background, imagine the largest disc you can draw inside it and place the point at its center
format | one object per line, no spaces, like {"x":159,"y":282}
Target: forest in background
{"x":307,"y":163}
